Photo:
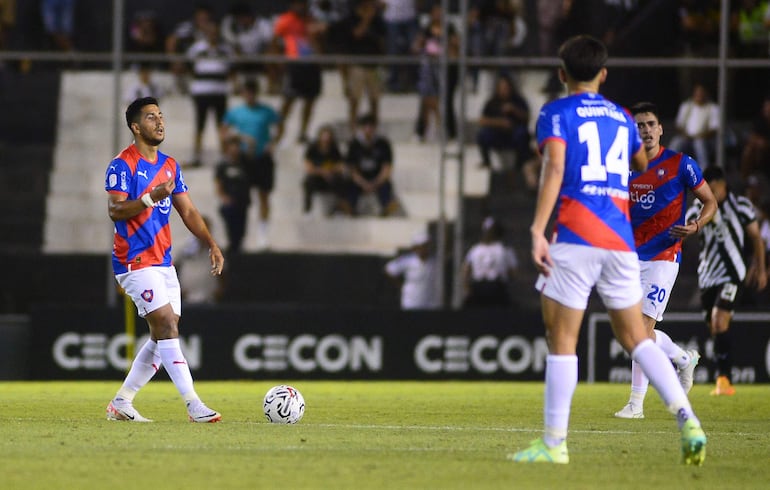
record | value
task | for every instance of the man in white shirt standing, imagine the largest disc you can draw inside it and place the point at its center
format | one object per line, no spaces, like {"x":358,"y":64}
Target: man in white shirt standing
{"x":697,"y":123}
{"x":416,"y":273}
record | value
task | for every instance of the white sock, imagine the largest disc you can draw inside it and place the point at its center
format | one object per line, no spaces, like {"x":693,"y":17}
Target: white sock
{"x":145,"y":365}
{"x":177,"y":368}
{"x":639,"y":384}
{"x":677,"y":355}
{"x":662,"y":376}
{"x":561,"y":376}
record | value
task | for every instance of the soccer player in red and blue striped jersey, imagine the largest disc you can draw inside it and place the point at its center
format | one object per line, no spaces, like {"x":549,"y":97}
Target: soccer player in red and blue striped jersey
{"x":659,"y":202}
{"x":588,"y":144}
{"x":142,"y":185}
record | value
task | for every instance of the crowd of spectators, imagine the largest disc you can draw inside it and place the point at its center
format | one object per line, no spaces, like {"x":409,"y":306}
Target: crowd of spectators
{"x":215,"y":55}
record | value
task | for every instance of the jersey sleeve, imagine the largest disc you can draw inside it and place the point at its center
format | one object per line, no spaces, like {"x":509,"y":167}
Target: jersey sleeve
{"x":746,"y":211}
{"x":690,"y":173}
{"x":180,"y":187}
{"x":117,"y":177}
{"x":549,"y":125}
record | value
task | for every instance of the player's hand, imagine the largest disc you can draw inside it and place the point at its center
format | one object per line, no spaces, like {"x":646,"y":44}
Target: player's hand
{"x":162,"y":191}
{"x":683,"y":231}
{"x":541,"y":254}
{"x":217,"y":260}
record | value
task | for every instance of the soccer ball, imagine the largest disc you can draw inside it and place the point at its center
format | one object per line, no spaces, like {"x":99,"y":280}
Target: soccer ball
{"x":284,"y":405}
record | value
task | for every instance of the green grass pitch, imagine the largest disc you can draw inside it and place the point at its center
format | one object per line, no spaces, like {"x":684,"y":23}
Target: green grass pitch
{"x":369,"y":435}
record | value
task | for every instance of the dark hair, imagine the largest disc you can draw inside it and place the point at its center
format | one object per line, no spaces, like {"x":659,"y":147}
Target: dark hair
{"x":644,"y":107}
{"x":583,"y":57}
{"x":713,"y":173}
{"x":252,"y":85}
{"x":135,"y":109}
{"x":367,"y":119}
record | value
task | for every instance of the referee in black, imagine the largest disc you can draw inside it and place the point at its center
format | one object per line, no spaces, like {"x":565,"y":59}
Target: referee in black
{"x":723,"y":269}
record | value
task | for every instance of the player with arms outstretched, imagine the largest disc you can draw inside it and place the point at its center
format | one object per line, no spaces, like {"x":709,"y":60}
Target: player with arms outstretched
{"x":588,"y":143}
{"x":142,"y":184}
{"x":659,"y":202}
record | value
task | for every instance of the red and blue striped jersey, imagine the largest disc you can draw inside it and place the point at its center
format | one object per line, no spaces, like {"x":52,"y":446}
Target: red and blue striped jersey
{"x":659,"y":201}
{"x":145,"y":239}
{"x":600,"y":138}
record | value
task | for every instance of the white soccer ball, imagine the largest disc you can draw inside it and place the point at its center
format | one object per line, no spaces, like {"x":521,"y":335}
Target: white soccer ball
{"x":284,"y":404}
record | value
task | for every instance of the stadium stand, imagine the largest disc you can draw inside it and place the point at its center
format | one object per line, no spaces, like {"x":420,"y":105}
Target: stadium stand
{"x":27,"y":136}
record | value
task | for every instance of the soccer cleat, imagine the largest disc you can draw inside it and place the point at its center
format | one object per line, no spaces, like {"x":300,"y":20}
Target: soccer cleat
{"x":538,"y":452}
{"x":693,"y":443}
{"x":630,"y":411}
{"x":198,"y":412}
{"x":120,"y":409}
{"x":686,"y":373}
{"x":723,"y":388}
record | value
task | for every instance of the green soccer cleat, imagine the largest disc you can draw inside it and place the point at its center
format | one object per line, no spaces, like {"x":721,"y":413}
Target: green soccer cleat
{"x":538,"y":452}
{"x":693,"y":443}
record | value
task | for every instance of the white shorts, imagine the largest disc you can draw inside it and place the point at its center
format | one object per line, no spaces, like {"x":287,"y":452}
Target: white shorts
{"x":578,"y":268}
{"x":151,"y":288}
{"x":658,"y":278}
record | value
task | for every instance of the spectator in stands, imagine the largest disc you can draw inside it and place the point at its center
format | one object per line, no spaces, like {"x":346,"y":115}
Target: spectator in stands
{"x":699,"y":25}
{"x":430,"y":45}
{"x":747,"y":21}
{"x":194,"y":266}
{"x":300,"y":33}
{"x":7,"y":21}
{"x":365,"y":34}
{"x":59,"y":22}
{"x":183,"y":37}
{"x":259,"y":128}
{"x":755,"y":158}
{"x":144,"y":86}
{"x":248,"y":34}
{"x":551,"y":15}
{"x":488,"y":268}
{"x":233,"y":189}
{"x":503,"y":125}
{"x":370,"y":163}
{"x":144,"y":33}
{"x":503,"y":26}
{"x":401,"y":26}
{"x":325,"y":171}
{"x":415,"y":272}
{"x":212,"y":70}
{"x":697,"y":122}
{"x":329,"y":11}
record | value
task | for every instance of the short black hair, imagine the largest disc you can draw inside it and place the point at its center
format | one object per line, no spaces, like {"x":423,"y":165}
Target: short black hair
{"x":135,"y":109}
{"x":645,"y":107}
{"x":252,"y":85}
{"x":367,"y":119}
{"x":713,"y":173}
{"x":583,"y":57}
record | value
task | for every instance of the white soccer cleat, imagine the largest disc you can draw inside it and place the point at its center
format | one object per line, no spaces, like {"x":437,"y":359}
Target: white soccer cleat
{"x":686,"y":373}
{"x":120,"y":409}
{"x":198,"y":412}
{"x":630,"y":411}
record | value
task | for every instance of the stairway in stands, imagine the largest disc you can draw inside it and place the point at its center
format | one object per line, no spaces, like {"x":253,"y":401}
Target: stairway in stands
{"x":27,"y":134}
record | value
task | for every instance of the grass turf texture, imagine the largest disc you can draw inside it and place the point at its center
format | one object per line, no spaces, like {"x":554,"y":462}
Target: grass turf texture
{"x":366,"y":435}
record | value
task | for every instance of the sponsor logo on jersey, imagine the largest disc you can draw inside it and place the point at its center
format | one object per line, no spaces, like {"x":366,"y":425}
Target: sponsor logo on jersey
{"x":113,"y":180}
{"x":164,"y":206}
{"x":123,"y":183}
{"x":148,"y":295}
{"x":143,"y":173}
